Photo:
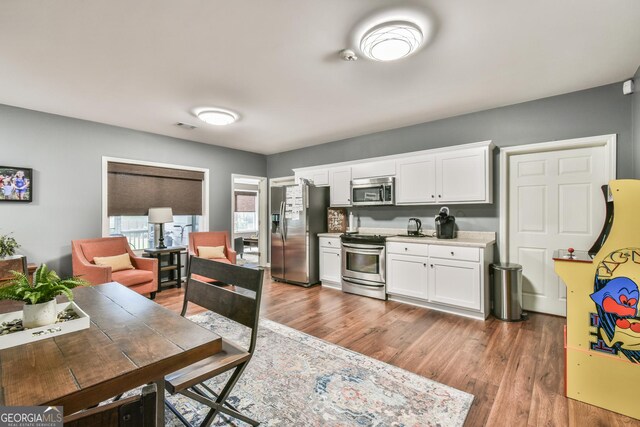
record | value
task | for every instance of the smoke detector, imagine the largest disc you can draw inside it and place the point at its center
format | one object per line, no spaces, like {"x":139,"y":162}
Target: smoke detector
{"x":348,"y":55}
{"x":185,"y":126}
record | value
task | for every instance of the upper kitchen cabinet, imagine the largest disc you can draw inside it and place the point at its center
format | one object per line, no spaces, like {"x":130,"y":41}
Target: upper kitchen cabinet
{"x":464,"y":176}
{"x":319,"y":177}
{"x":340,"y":186}
{"x":373,"y":169}
{"x":416,"y":180}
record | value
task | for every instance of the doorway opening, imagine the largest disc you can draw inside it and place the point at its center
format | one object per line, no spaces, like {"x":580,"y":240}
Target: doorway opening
{"x":249,"y":219}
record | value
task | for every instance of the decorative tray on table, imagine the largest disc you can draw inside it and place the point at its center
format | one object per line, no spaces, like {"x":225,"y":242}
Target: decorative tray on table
{"x":70,"y":319}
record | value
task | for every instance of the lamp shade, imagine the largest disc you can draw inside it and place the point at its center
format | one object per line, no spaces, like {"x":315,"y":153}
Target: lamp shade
{"x":160,"y":215}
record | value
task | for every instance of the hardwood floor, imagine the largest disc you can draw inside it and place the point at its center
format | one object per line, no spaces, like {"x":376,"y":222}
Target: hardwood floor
{"x":514,"y":370}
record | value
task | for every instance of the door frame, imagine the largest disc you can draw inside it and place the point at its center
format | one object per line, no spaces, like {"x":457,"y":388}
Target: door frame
{"x":607,"y":141}
{"x":263,"y":224}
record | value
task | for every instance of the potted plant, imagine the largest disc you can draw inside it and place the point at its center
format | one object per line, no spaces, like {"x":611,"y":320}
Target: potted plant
{"x":39,"y":297}
{"x":8,"y":246}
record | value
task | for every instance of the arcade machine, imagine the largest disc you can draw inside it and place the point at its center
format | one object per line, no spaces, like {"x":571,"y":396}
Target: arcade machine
{"x":602,"y":336}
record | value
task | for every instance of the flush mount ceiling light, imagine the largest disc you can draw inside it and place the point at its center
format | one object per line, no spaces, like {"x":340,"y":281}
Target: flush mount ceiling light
{"x":217,"y":116}
{"x":390,"y":41}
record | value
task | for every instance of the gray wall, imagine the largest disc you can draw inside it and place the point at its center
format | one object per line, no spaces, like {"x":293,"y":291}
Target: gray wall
{"x":66,"y":156}
{"x":596,"y":111}
{"x":635,"y":122}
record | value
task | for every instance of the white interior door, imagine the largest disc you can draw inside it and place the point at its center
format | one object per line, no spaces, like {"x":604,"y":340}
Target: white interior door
{"x":555,"y":202}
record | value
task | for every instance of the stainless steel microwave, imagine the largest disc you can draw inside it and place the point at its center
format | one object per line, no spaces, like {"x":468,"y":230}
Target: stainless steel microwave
{"x":373,"y":191}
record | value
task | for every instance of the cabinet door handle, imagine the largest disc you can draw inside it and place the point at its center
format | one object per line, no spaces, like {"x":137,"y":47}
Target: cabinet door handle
{"x":431,"y":265}
{"x":406,"y":249}
{"x":337,"y":254}
{"x":425,"y":264}
{"x":433,"y":196}
{"x":439,"y":195}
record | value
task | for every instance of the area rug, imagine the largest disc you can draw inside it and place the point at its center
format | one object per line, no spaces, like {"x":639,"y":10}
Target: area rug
{"x":295,"y":379}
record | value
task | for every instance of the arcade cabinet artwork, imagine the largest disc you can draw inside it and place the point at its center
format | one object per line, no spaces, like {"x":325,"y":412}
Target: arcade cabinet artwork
{"x":603,"y":324}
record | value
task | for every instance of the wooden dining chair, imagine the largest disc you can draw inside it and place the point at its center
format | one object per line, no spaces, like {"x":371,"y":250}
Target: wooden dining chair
{"x":135,"y":411}
{"x":235,"y":295}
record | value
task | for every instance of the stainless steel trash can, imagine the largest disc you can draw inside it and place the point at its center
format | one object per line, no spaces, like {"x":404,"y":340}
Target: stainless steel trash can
{"x":506,"y":287}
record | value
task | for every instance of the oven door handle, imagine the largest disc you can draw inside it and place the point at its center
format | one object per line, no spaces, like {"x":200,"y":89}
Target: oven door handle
{"x":363,"y":247}
{"x":363,"y":282}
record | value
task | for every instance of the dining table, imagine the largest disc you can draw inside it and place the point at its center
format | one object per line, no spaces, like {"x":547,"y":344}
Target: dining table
{"x":131,"y":341}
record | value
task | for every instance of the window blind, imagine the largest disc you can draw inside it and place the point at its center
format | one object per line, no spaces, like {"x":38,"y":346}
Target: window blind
{"x":245,"y":201}
{"x":133,"y":189}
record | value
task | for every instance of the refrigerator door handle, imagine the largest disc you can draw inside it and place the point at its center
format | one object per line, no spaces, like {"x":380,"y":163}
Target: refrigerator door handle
{"x":283,"y":222}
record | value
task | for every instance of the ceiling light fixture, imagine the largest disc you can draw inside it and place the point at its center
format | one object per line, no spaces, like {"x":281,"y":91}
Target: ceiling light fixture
{"x":390,"y":41}
{"x":217,"y":116}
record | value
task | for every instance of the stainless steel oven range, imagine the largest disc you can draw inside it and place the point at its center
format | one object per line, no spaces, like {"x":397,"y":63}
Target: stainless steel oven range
{"x":363,"y":265}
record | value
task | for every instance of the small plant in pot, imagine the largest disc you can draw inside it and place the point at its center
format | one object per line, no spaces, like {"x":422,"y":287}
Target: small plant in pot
{"x":8,"y":246}
{"x":40,"y":297}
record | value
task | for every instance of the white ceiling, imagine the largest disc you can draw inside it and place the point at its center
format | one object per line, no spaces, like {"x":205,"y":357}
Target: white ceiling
{"x":146,"y":64}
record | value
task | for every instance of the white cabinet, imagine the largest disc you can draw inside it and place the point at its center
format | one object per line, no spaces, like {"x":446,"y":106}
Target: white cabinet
{"x":340,"y":186}
{"x":416,"y":180}
{"x":373,"y":169}
{"x":407,"y":275}
{"x":463,"y":176}
{"x":449,"y":278}
{"x":455,"y":283}
{"x":330,"y":261}
{"x":319,"y":177}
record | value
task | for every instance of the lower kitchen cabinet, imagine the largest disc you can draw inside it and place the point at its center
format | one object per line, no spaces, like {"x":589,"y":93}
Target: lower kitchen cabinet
{"x":407,"y":275}
{"x":448,"y":278}
{"x":455,"y":283}
{"x":330,"y":262}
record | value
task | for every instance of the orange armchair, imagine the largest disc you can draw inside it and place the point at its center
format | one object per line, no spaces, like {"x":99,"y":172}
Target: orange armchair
{"x":142,"y":279}
{"x":212,"y":238}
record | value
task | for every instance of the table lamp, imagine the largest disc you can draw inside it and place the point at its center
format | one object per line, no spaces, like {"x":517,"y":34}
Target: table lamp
{"x":160,"y":216}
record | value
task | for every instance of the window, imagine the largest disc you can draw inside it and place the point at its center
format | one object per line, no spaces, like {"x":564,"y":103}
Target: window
{"x":134,"y":187}
{"x":245,"y":216}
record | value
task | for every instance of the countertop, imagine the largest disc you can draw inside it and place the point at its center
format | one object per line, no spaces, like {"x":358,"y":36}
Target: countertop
{"x":476,"y":239}
{"x":473,"y":239}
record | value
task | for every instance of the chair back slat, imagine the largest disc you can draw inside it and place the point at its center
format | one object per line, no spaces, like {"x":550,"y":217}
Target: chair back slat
{"x":235,"y":294}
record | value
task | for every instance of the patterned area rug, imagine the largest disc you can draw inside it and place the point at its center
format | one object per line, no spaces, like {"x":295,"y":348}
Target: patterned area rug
{"x":295,"y":379}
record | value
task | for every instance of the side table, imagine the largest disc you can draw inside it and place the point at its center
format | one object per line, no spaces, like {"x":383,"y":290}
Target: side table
{"x":173,"y":265}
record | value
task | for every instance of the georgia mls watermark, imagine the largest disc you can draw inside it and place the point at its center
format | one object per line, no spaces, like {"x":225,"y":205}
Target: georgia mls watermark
{"x":31,"y":416}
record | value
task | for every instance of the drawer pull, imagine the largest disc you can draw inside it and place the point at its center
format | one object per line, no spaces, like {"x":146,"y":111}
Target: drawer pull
{"x":452,"y":253}
{"x":331,"y":243}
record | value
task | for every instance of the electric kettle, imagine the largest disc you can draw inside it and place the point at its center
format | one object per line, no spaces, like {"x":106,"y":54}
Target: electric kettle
{"x":414,"y":228}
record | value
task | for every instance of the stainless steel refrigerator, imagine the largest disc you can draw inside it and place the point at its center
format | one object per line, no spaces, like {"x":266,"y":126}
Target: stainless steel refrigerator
{"x":298,"y":214}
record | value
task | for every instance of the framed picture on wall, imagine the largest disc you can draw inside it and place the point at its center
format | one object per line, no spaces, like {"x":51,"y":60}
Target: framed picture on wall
{"x":16,"y":184}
